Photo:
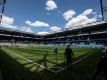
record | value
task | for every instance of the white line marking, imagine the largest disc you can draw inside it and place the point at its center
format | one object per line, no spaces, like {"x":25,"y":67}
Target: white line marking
{"x":30,"y":61}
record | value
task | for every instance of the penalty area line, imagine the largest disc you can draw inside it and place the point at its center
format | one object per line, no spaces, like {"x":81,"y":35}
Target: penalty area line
{"x":30,"y":60}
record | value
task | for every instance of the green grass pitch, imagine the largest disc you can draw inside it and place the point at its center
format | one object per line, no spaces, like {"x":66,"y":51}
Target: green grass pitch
{"x":39,"y":63}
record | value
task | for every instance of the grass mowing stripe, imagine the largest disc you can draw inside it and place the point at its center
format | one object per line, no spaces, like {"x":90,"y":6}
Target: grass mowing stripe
{"x":45,"y":67}
{"x":29,"y":60}
{"x":31,"y":56}
{"x":50,"y":60}
{"x":47,"y":62}
{"x":85,"y":51}
{"x":40,"y":51}
{"x":77,"y":52}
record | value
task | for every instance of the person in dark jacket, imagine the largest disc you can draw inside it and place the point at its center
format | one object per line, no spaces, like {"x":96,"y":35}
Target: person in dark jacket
{"x":101,"y":67}
{"x":56,"y":52}
{"x":69,"y":56}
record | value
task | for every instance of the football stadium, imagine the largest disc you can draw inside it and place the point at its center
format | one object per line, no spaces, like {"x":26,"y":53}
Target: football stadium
{"x":29,"y":56}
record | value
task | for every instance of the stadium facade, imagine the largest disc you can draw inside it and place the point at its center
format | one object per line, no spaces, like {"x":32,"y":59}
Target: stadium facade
{"x":13,"y":37}
{"x":91,"y":33}
{"x":95,"y":33}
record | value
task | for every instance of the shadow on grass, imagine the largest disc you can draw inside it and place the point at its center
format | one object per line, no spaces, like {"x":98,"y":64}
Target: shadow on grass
{"x":13,"y":70}
{"x":83,"y":70}
{"x":77,"y":58}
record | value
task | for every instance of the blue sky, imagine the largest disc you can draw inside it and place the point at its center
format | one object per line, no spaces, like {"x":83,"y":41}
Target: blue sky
{"x":47,"y":16}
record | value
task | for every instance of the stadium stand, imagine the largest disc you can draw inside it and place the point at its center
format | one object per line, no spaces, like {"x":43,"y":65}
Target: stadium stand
{"x":10,"y":37}
{"x":90,"y":35}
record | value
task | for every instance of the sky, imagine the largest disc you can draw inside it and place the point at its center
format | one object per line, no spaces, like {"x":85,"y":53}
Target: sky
{"x":49,"y":16}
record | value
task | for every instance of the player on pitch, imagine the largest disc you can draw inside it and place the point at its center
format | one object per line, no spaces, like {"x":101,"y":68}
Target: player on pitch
{"x":69,"y":57}
{"x":56,"y":52}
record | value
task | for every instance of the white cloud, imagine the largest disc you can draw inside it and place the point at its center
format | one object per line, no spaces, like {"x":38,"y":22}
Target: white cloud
{"x":28,"y":22}
{"x":87,"y":12}
{"x":94,"y":13}
{"x":55,"y":29}
{"x":37,"y":24}
{"x":100,"y":16}
{"x":81,"y":20}
{"x":43,"y":33}
{"x":76,"y":21}
{"x":8,"y":26}
{"x":69,"y":14}
{"x":51,"y":5}
{"x":26,"y":29}
{"x":8,"y":22}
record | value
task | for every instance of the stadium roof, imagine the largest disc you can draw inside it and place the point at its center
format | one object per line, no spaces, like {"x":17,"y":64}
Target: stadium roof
{"x":16,"y":33}
{"x":8,"y":29}
{"x":87,"y":28}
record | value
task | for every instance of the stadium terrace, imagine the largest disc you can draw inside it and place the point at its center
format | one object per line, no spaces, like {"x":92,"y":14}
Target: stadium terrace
{"x":92,"y":33}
